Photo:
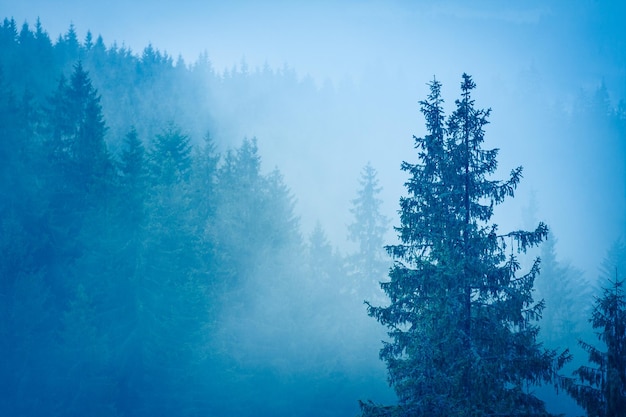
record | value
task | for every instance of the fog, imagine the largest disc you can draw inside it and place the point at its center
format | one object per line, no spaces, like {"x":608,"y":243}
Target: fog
{"x":360,"y":70}
{"x":527,"y":58}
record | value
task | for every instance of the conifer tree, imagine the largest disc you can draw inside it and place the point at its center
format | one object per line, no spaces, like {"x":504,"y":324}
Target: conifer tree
{"x":205,"y":162}
{"x":460,"y":317}
{"x":240,"y":188}
{"x":564,"y":289}
{"x":68,"y":46}
{"x":169,"y":286}
{"x":76,"y":132}
{"x":368,"y":263}
{"x":601,"y":390}
{"x":170,"y":157}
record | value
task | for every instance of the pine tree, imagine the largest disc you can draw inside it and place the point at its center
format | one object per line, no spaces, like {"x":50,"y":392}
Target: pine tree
{"x":460,"y":318}
{"x":205,"y":162}
{"x":133,"y":178}
{"x":76,"y":133}
{"x":240,"y":189}
{"x":67,"y":47}
{"x":601,"y":390}
{"x":368,"y":263}
{"x":168,"y":288}
{"x":324,"y":263}
{"x":170,"y":156}
{"x":27,"y":310}
{"x":564,"y":290}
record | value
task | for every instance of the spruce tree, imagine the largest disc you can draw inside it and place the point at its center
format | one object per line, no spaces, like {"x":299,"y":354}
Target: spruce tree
{"x":564,"y":289}
{"x":368,"y":264}
{"x":461,"y":318}
{"x":601,"y":390}
{"x":169,"y":159}
{"x":75,"y":134}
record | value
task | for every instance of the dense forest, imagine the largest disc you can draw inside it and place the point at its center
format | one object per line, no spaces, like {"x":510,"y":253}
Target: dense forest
{"x":153,"y":265}
{"x":143,"y":272}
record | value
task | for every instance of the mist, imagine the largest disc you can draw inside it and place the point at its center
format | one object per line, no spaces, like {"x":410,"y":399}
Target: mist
{"x":528,"y":60}
{"x":323,"y":90}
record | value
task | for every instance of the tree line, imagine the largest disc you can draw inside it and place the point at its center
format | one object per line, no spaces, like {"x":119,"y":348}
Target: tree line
{"x":155,"y":275}
{"x":146,"y":273}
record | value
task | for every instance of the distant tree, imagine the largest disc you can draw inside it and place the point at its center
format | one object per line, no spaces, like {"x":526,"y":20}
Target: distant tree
{"x":601,"y":390}
{"x":133,"y":184}
{"x":68,"y":49}
{"x":166,"y":284}
{"x":325,"y":264}
{"x":133,"y":161}
{"x":8,"y":45}
{"x":43,"y":66}
{"x":564,"y":290}
{"x":76,"y":170}
{"x":170,"y":156}
{"x":238,"y":225}
{"x":368,"y":264}
{"x":460,"y":318}
{"x":204,"y":178}
{"x":28,"y":312}
{"x":88,"y":44}
{"x":84,"y":265}
{"x":96,"y":54}
{"x":76,"y":133}
{"x":9,"y":30}
{"x":254,"y":226}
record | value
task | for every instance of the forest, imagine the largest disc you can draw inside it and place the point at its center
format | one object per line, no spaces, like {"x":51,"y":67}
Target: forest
{"x":154,"y":264}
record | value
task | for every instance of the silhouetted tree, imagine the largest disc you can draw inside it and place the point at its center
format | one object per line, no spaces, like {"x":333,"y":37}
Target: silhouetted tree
{"x":460,"y":318}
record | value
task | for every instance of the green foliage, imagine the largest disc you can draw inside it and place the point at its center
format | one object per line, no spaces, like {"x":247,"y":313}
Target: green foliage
{"x":460,"y":317}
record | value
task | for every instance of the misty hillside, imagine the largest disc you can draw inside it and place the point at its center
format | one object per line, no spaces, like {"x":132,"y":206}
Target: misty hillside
{"x":148,"y":269}
{"x":182,"y":240}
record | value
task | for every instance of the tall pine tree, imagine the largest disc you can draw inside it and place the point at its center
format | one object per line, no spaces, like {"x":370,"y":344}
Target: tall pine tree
{"x":460,"y":318}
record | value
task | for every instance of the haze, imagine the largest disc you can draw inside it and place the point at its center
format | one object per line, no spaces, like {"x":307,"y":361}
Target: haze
{"x":550,"y":51}
{"x":535,"y":63}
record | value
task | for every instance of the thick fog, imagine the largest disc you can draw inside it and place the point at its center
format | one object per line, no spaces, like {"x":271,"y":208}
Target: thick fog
{"x":529,"y":59}
{"x":553,"y":73}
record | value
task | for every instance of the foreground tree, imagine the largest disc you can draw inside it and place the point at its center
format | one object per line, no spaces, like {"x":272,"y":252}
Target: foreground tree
{"x":601,"y":390}
{"x":461,"y":319}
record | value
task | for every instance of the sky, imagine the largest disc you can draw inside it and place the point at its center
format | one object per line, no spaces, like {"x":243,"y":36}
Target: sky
{"x":337,"y":39}
{"x":556,"y":48}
